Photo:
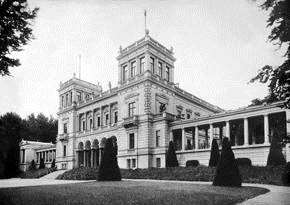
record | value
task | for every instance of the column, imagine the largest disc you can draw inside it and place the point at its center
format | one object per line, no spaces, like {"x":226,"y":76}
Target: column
{"x":171,"y":135}
{"x":92,"y":157}
{"x":85,"y":158}
{"x":196,"y":137}
{"x":228,"y":129}
{"x":246,"y":132}
{"x":210,"y":134}
{"x":183,"y":138}
{"x":77,"y":158}
{"x":266,"y":129}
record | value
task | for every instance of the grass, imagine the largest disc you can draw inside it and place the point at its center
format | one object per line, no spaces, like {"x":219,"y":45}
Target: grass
{"x":261,"y":175}
{"x":127,"y":192}
{"x":33,"y":174}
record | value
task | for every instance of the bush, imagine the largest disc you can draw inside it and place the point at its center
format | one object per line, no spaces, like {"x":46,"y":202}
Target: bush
{"x":227,"y":172}
{"x":41,"y":164}
{"x":244,"y":162}
{"x":32,"y":174}
{"x":192,"y":163}
{"x":53,"y":163}
{"x":214,"y":154}
{"x":32,"y":165}
{"x":109,"y":169}
{"x":171,"y":159}
{"x":81,"y":173}
{"x":286,"y":175}
{"x":275,"y":157}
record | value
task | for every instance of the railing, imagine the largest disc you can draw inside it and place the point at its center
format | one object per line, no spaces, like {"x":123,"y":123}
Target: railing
{"x":131,"y":121}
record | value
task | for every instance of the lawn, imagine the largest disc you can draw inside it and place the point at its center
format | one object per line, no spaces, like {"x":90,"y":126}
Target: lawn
{"x":127,"y":192}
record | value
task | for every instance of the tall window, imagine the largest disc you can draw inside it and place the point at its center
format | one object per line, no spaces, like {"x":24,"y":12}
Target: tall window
{"x":131,"y":141}
{"x":142,"y":64}
{"x":79,"y":96}
{"x":116,"y":117}
{"x":128,"y":163}
{"x":64,"y":150}
{"x":125,"y":72}
{"x":62,"y":101}
{"x":133,"y":163}
{"x":152,"y":64}
{"x":99,"y":121}
{"x":70,"y":100}
{"x":107,"y":119}
{"x":23,"y":155}
{"x":160,"y":69}
{"x":64,"y":128}
{"x":158,"y":162}
{"x":132,"y":109}
{"x":167,"y":73}
{"x":157,"y":138}
{"x":84,"y":125}
{"x":66,"y":100}
{"x":91,"y":123}
{"x":133,"y":69}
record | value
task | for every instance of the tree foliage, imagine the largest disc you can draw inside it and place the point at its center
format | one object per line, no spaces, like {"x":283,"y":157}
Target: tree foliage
{"x":214,"y":154}
{"x":171,"y":159}
{"x":275,"y":157}
{"x":227,"y":172}
{"x":15,"y":31}
{"x":277,"y":78}
{"x":13,"y":129}
{"x":109,"y":169}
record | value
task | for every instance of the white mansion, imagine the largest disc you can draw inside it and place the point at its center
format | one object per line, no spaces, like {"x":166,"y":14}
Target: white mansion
{"x":147,"y":110}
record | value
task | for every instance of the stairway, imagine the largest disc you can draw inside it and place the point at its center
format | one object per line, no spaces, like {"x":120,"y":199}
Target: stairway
{"x":53,"y":175}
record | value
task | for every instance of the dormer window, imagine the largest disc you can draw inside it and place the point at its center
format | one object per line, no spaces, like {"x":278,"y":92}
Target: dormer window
{"x":133,"y":69}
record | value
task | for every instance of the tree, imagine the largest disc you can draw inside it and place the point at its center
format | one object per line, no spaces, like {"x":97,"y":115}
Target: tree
{"x":109,"y":169}
{"x":171,"y":159}
{"x":278,"y":78}
{"x":10,"y":131}
{"x":227,"y":171}
{"x":41,"y":164}
{"x":53,"y":163}
{"x":32,"y":165}
{"x":214,"y":154}
{"x":275,"y":157}
{"x":15,"y":31}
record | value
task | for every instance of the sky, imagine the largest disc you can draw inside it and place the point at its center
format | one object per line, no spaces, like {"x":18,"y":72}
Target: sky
{"x":219,"y":47}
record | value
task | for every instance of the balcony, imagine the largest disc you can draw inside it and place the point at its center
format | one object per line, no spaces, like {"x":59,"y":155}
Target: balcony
{"x":63,"y":137}
{"x":130,"y":121}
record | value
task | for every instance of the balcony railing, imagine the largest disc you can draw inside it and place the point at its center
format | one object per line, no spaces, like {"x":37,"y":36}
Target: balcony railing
{"x":130,"y":121}
{"x":63,"y":137}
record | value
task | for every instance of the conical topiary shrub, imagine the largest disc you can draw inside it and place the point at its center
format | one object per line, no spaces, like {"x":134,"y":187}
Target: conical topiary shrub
{"x":32,"y":165}
{"x":109,"y":169}
{"x":214,"y":154}
{"x":171,"y":159}
{"x":275,"y":157}
{"x":227,"y":171}
{"x":53,"y":164}
{"x":41,"y":164}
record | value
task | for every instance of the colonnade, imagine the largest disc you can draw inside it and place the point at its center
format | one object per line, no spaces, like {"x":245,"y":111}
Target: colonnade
{"x":242,"y":132}
{"x":47,"y":155}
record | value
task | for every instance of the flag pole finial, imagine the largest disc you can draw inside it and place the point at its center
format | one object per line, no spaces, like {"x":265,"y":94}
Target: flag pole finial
{"x":145,"y":19}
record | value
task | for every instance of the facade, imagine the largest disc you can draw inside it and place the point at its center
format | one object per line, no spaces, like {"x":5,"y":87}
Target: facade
{"x":31,"y":150}
{"x":147,"y":109}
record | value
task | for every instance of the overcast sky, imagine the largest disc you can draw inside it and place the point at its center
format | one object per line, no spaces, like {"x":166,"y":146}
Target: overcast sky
{"x":219,"y":46}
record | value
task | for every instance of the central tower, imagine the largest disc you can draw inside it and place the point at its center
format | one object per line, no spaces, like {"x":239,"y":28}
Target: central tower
{"x":145,"y":58}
